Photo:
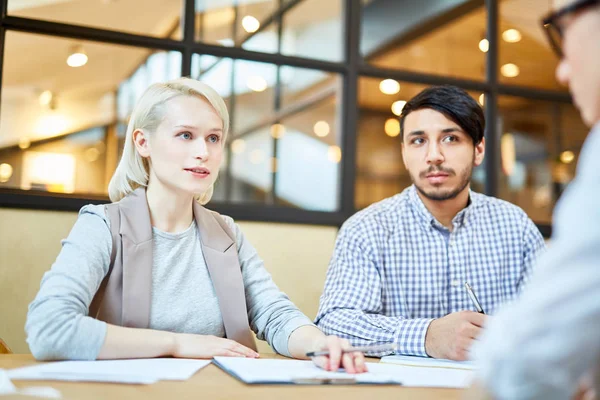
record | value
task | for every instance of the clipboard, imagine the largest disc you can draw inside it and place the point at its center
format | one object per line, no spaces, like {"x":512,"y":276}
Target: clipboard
{"x":294,"y":372}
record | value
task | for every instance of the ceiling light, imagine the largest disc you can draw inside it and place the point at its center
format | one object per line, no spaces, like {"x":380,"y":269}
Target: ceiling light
{"x":24,"y":143}
{"x":510,"y":70}
{"x":392,"y":127}
{"x":567,"y":157}
{"x":508,"y":153}
{"x":6,"y":171}
{"x":277,"y":131}
{"x":398,"y":106}
{"x":511,"y":36}
{"x":484,"y":45}
{"x":238,"y":146}
{"x":257,"y":83}
{"x":482,"y":99}
{"x":250,"y":24}
{"x":321,"y":128}
{"x":334,"y":154}
{"x":78,"y":58}
{"x":91,"y":154}
{"x":45,"y":98}
{"x":389,"y":86}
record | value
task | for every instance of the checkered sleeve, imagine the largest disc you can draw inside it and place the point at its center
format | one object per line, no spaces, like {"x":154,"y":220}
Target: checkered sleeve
{"x":351,"y":303}
{"x":533,"y":247}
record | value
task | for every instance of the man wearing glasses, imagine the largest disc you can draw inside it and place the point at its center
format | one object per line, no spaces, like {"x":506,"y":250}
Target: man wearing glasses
{"x":546,"y":345}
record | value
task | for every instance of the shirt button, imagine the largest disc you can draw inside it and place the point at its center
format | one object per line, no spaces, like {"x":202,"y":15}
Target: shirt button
{"x":455,"y":282}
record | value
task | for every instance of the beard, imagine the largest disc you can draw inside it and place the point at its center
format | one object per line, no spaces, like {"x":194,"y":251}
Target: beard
{"x":451,"y":193}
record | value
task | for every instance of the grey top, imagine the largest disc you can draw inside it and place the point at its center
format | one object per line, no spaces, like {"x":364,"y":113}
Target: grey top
{"x":183,"y":296}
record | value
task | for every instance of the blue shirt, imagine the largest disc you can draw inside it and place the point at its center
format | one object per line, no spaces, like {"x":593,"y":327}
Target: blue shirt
{"x":393,"y":270}
{"x":543,"y":344}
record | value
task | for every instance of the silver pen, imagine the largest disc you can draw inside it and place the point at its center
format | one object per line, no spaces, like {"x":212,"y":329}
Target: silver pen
{"x":362,"y":349}
{"x":474,"y":298}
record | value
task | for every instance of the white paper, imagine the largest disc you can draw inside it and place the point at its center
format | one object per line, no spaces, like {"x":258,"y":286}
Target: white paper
{"x":7,"y":388}
{"x":252,"y":370}
{"x":413,"y":376}
{"x":428,"y":362}
{"x":286,"y":371}
{"x":139,"y":371}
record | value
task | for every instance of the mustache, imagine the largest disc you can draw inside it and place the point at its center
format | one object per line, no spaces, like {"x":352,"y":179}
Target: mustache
{"x":437,"y":168}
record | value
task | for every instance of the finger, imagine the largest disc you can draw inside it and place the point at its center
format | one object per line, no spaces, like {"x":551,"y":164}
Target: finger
{"x":471,"y":331}
{"x":321,"y":362}
{"x":228,"y":353}
{"x":348,"y":363}
{"x":359,"y":362}
{"x":335,"y":352}
{"x":477,"y":319}
{"x":245,"y":351}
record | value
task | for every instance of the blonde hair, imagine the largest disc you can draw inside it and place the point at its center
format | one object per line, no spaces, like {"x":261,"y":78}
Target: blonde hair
{"x":133,"y":170}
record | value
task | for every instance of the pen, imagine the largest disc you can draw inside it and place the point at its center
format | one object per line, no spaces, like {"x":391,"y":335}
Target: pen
{"x":363,"y":349}
{"x":474,"y":298}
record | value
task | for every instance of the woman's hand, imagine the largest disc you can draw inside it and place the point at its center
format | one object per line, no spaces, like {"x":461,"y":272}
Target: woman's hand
{"x":207,"y":346}
{"x":353,"y":363}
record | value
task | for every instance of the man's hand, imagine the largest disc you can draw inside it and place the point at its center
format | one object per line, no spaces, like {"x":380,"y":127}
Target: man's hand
{"x":451,"y":336}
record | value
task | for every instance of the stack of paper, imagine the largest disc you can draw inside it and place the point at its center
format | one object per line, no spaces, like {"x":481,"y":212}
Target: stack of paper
{"x":142,"y":371}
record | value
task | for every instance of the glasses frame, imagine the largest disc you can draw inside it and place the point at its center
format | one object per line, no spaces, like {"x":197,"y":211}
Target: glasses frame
{"x":554,"y":28}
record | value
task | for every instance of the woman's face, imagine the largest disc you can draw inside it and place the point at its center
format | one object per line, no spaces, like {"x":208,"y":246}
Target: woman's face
{"x":186,"y":150}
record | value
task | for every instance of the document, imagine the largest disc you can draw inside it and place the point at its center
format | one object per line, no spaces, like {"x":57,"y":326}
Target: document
{"x":267,"y":371}
{"x":139,"y":371}
{"x":428,"y":362}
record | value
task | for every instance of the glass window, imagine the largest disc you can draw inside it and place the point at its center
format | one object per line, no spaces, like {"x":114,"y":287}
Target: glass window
{"x":309,"y":154}
{"x":539,"y":144}
{"x":160,"y":18}
{"x":61,"y":126}
{"x":253,"y":29}
{"x":380,"y":172}
{"x":313,"y":29}
{"x":428,"y":36}
{"x":275,"y":152}
{"x":525,"y":54}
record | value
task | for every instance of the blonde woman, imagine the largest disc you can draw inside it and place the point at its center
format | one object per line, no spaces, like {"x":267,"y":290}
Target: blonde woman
{"x":155,"y":273}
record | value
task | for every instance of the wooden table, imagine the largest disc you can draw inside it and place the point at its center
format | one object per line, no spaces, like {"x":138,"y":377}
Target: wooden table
{"x":212,"y":383}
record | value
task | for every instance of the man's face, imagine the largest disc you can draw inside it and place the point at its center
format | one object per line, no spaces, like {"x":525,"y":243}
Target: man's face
{"x":438,"y":154}
{"x":580,"y":67}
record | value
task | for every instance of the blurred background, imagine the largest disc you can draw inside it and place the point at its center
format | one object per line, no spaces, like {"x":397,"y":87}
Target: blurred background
{"x":314,"y":88}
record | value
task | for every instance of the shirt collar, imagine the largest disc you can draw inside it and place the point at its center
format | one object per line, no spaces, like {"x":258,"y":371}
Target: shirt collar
{"x":423,"y":213}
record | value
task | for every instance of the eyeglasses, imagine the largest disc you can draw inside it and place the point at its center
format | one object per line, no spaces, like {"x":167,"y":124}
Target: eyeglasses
{"x":554,"y":23}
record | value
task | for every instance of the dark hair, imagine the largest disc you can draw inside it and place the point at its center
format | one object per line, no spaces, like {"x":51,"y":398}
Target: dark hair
{"x":454,"y":103}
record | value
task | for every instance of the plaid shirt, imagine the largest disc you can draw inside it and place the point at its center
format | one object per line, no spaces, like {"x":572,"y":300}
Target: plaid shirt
{"x":394,"y":269}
